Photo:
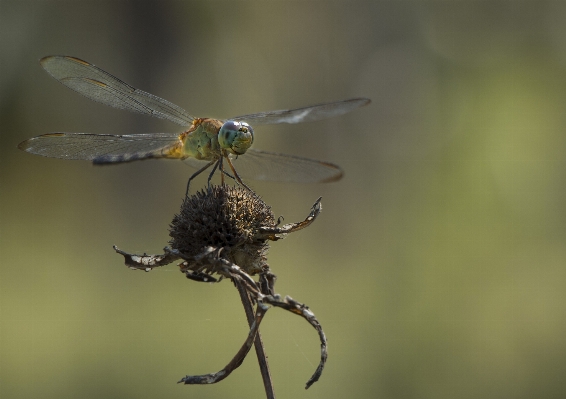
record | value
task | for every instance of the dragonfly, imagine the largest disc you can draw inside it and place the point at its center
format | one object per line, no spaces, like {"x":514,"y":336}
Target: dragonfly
{"x":206,"y":142}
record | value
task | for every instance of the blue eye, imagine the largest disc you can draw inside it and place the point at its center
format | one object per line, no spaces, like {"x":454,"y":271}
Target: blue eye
{"x":235,"y":137}
{"x":231,"y":126}
{"x":228,"y":133}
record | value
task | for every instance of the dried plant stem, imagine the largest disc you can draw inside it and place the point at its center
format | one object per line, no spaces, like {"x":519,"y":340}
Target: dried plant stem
{"x":302,"y":310}
{"x":267,"y":281}
{"x":236,"y":360}
{"x":259,"y":348}
{"x":225,"y":231}
{"x":261,"y":293}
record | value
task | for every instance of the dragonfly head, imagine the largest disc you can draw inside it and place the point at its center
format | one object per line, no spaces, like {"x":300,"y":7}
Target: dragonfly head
{"x":235,"y":137}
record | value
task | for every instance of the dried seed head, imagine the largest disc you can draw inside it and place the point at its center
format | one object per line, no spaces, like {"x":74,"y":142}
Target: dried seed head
{"x":231,"y":218}
{"x":225,"y":230}
{"x":217,"y":227}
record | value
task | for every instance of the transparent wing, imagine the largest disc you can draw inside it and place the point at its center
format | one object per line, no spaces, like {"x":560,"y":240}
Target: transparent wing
{"x":98,"y":85}
{"x":263,"y":165}
{"x":305,"y":114}
{"x":102,"y":148}
{"x":272,"y":166}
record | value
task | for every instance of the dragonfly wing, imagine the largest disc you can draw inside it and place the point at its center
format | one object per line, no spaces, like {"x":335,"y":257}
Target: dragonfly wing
{"x":264,"y":165}
{"x":305,"y":114}
{"x":103,"y":148}
{"x":98,"y":85}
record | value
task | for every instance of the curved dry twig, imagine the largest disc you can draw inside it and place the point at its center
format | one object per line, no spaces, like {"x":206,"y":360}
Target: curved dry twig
{"x":236,"y":360}
{"x":261,"y":292}
{"x":216,"y":229}
{"x":302,"y":310}
{"x":276,"y":233}
{"x":267,"y":281}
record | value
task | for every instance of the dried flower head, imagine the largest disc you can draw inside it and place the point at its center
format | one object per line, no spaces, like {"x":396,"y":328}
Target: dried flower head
{"x":222,"y":222}
{"x":225,"y":217}
{"x":226,"y":230}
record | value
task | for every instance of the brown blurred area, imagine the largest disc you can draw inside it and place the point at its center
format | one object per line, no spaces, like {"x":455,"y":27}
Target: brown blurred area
{"x":438,"y":265}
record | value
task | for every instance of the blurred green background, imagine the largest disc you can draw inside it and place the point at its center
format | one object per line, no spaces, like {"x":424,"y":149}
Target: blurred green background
{"x":437,"y":267}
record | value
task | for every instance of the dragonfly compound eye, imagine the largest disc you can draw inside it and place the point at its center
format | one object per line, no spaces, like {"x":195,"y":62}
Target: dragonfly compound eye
{"x":236,"y":137}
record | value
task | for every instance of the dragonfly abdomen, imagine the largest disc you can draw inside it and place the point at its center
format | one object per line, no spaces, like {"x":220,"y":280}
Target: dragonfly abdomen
{"x":170,"y":152}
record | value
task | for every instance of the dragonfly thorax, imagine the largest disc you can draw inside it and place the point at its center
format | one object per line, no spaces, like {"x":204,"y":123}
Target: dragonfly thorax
{"x":235,"y":137}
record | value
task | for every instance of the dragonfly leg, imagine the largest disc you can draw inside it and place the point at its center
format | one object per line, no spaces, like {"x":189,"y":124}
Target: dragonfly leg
{"x":198,"y":172}
{"x":229,"y":175}
{"x":224,"y":172}
{"x":221,"y":168}
{"x":218,"y":163}
{"x":236,"y":175}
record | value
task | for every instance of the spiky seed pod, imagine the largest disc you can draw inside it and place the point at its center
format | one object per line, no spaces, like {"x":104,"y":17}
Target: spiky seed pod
{"x":224,"y":217}
{"x":218,"y":225}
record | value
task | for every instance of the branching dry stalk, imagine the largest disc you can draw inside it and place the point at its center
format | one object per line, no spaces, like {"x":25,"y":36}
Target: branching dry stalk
{"x":225,"y":231}
{"x":258,"y":343}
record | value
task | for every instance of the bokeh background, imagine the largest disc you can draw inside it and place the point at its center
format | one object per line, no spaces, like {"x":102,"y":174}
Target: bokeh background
{"x":438,"y":265}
